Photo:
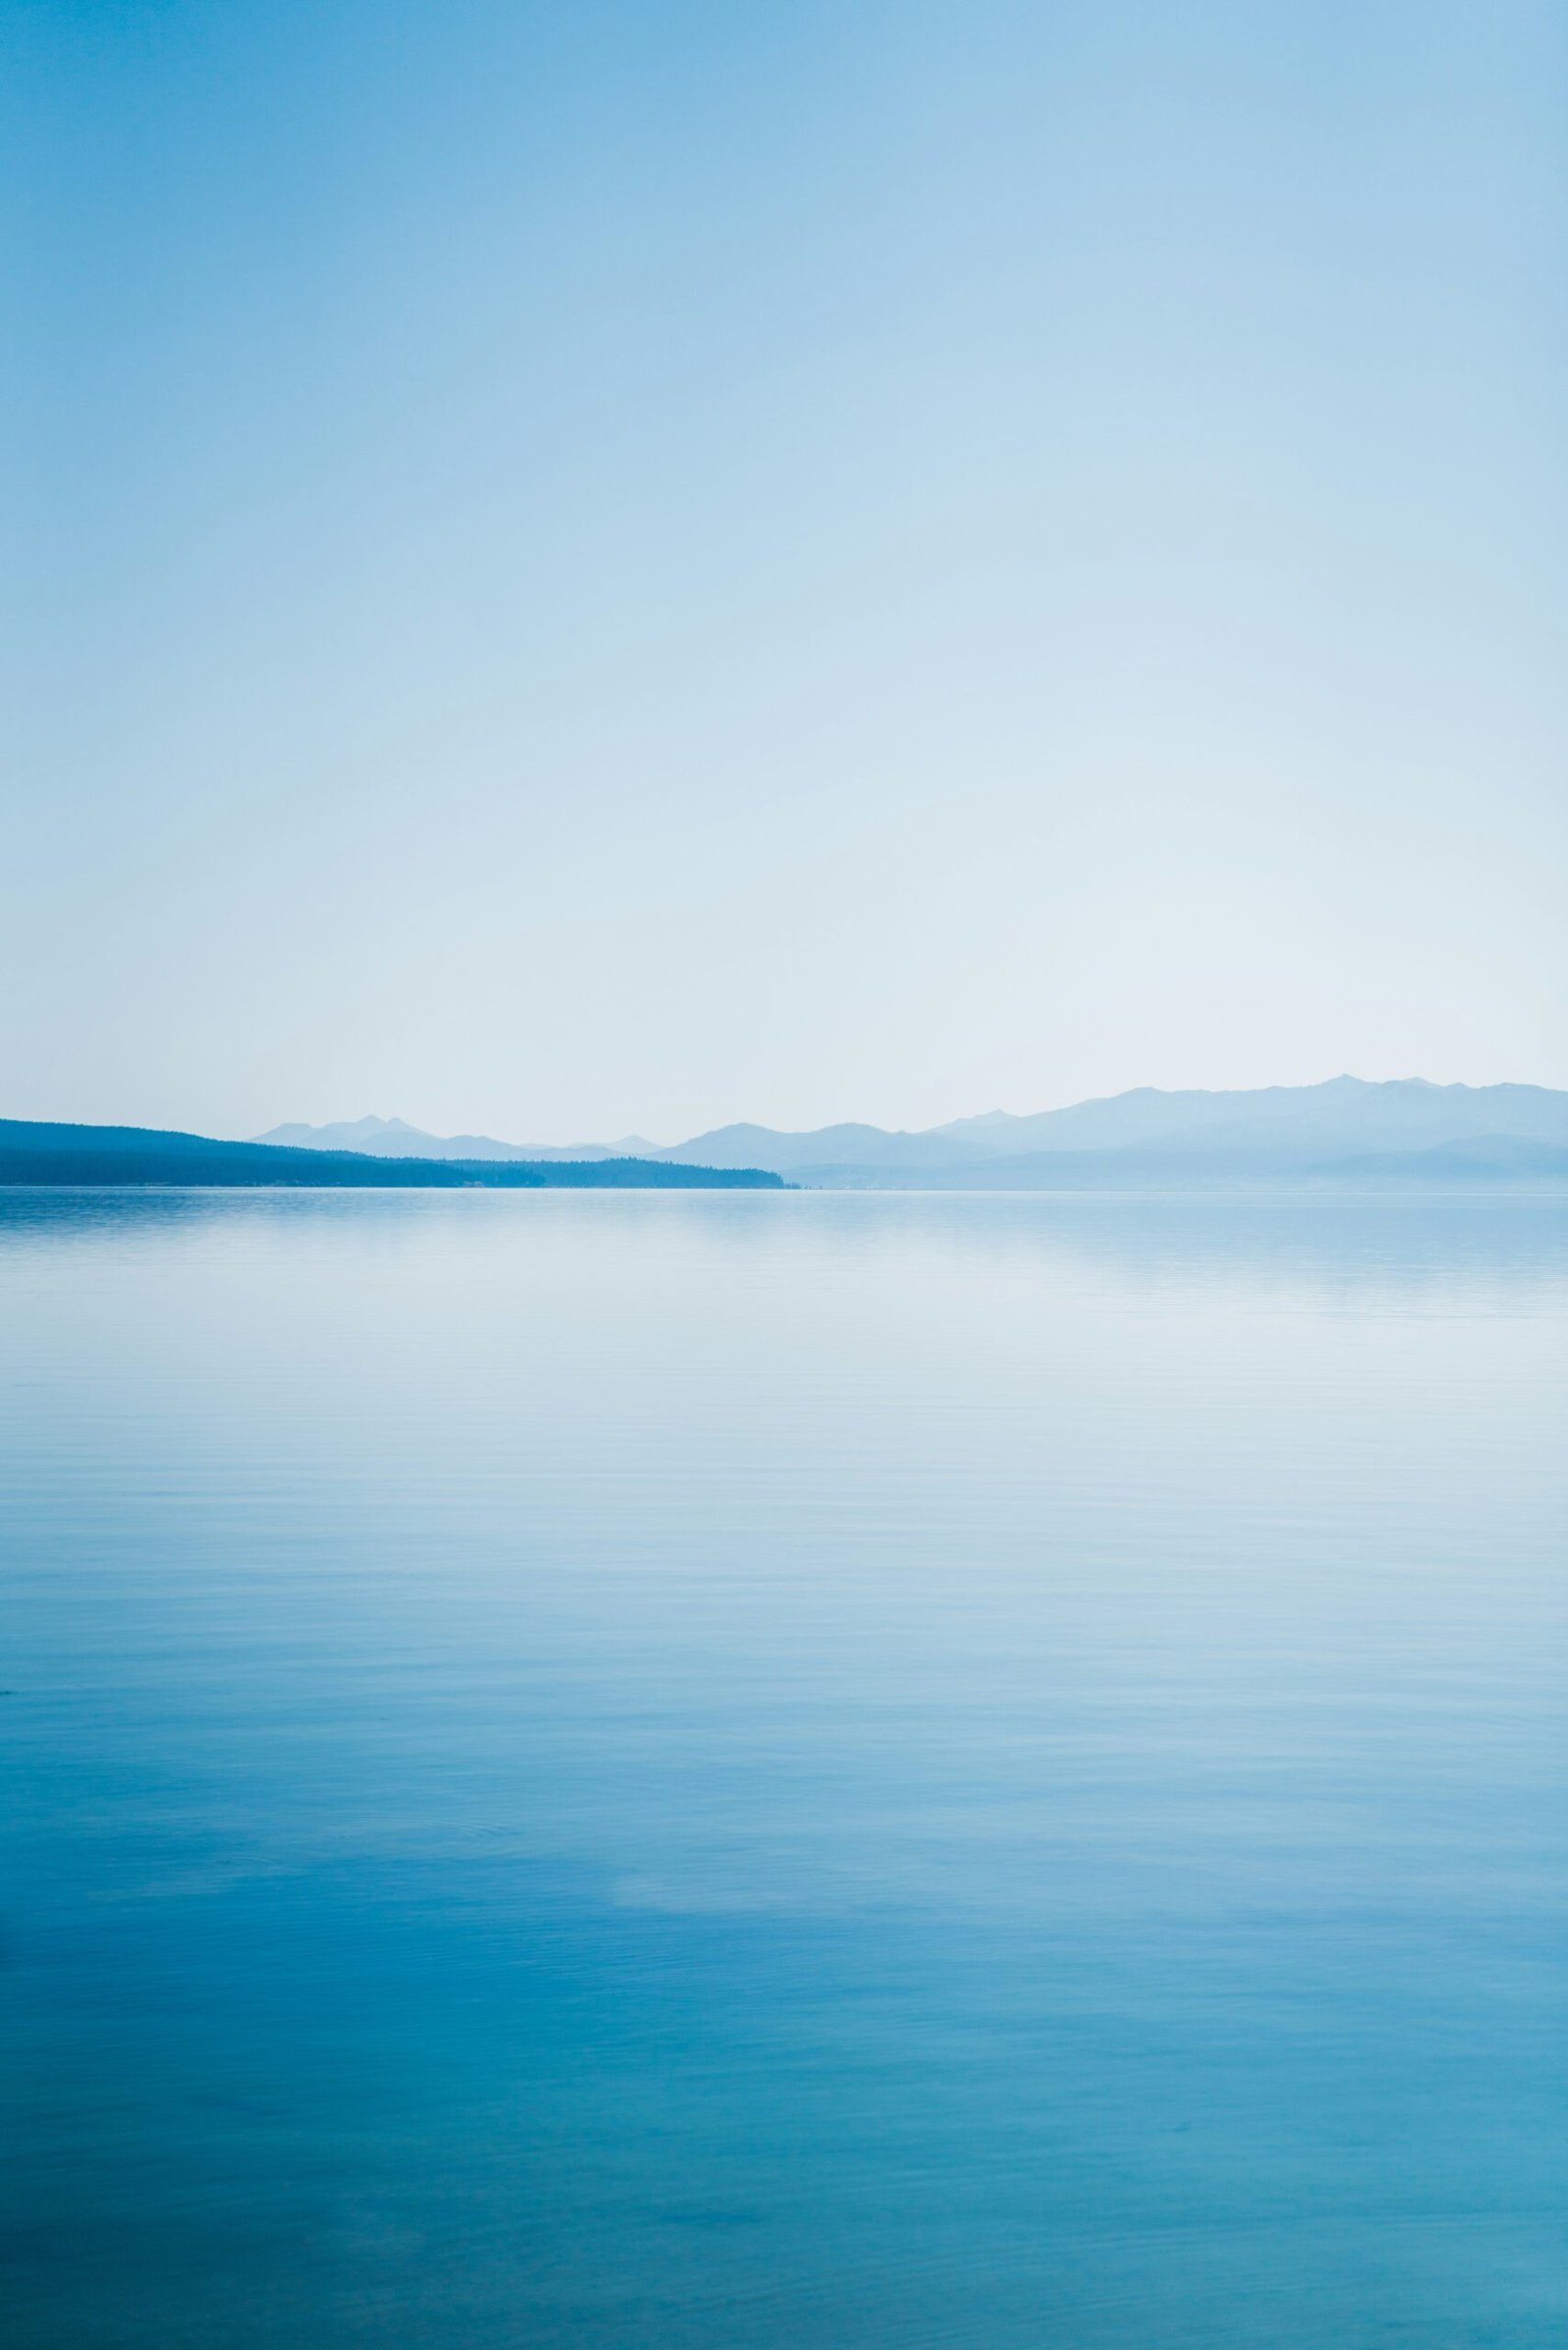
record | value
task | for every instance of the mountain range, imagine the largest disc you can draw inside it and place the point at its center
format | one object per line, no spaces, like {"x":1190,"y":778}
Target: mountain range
{"x":1347,"y":1129}
{"x":392,"y":1138}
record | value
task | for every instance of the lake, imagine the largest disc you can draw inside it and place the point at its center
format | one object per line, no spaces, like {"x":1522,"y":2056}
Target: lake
{"x":784,"y":1772}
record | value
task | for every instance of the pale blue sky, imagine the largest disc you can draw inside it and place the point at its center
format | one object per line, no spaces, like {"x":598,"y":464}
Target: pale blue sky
{"x":588,"y":567}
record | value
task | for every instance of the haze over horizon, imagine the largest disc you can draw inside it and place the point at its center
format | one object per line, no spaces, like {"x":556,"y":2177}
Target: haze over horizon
{"x":373,"y":1131}
{"x":586,"y":570}
{"x":1344,"y":1130}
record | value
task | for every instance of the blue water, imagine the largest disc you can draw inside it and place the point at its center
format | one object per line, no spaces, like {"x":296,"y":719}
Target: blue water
{"x":784,"y":1773}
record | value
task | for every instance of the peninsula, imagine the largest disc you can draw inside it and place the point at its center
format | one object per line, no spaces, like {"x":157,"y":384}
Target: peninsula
{"x":36,"y":1153}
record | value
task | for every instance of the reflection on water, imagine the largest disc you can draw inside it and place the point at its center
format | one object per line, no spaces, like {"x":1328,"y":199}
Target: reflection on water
{"x":783,"y":1773}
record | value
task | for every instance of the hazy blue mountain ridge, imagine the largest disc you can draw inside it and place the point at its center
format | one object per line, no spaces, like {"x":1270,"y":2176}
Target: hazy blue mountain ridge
{"x":1347,"y":1128}
{"x":1306,"y":1129}
{"x":1343,"y":1113}
{"x":392,"y":1138}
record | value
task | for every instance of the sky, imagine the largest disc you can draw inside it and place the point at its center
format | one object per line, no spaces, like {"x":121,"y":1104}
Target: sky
{"x":591,"y":569}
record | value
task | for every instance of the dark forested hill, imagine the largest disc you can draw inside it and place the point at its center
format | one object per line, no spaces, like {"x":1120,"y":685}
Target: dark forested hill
{"x":120,"y":1155}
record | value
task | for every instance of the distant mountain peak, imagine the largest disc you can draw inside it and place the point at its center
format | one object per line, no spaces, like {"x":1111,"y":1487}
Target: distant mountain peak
{"x":395,"y":1138}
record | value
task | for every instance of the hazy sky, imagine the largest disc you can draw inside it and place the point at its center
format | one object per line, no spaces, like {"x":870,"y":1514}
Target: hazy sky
{"x":583,"y":568}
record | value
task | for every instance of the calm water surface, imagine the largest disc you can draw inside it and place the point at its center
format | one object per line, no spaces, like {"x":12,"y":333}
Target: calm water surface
{"x":784,"y":1773}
